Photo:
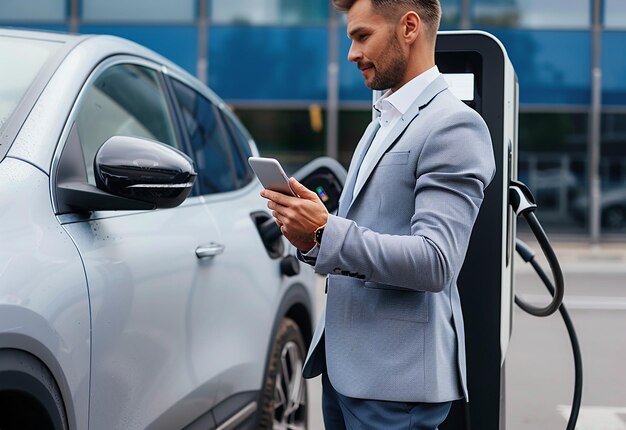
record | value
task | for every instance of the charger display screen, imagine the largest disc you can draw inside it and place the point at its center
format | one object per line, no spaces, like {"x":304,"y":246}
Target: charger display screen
{"x":321,"y":193}
{"x":461,"y":85}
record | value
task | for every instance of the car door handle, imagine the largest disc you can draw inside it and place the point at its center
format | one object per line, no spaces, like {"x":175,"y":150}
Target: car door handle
{"x":210,"y":250}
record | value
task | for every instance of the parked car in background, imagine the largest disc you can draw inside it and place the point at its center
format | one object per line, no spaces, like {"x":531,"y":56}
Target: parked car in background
{"x":612,"y":208}
{"x":142,"y":283}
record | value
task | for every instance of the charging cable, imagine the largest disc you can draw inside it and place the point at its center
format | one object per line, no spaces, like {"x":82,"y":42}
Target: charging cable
{"x":523,"y":203}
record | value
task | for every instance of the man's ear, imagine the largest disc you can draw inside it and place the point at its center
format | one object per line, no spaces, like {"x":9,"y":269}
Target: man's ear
{"x":411,"y":25}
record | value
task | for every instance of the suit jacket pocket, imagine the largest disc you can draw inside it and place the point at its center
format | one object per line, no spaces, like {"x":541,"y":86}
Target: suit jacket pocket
{"x":394,"y":158}
{"x":397,"y":304}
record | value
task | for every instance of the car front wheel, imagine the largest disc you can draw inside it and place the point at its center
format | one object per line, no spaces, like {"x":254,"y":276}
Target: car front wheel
{"x":29,"y":395}
{"x":284,"y":403}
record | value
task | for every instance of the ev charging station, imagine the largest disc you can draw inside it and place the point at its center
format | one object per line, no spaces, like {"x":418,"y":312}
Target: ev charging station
{"x":480,"y":73}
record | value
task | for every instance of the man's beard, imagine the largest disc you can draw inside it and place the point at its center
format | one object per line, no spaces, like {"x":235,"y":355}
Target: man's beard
{"x":391,"y":67}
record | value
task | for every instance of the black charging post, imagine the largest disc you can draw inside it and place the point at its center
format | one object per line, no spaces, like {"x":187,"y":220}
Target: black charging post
{"x":479,"y":71}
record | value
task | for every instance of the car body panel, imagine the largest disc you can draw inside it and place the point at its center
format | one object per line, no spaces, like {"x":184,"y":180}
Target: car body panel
{"x":143,"y":292}
{"x":44,"y":303}
{"x":257,"y":287}
{"x":158,"y":329}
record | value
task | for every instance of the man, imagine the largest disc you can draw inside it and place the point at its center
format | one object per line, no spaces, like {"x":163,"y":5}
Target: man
{"x":391,"y":343}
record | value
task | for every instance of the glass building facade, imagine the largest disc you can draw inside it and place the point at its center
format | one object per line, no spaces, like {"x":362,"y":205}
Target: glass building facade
{"x":281,"y":64}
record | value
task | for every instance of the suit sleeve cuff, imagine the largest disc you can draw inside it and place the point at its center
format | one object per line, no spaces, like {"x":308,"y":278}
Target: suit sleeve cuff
{"x":329,"y":255}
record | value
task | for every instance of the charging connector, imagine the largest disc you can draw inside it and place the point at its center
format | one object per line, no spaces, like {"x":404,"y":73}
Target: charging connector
{"x":523,"y":204}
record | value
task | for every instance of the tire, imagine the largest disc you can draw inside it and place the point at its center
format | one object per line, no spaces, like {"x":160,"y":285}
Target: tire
{"x":29,"y":396}
{"x":284,"y":395}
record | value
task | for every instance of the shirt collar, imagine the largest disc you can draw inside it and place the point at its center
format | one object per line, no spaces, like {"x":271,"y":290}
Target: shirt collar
{"x":402,"y":99}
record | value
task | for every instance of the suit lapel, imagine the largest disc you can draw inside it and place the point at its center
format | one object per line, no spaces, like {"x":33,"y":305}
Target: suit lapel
{"x":355,"y":164}
{"x":435,"y":87}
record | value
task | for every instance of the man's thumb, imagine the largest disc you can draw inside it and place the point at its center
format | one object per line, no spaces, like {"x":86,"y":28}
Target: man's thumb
{"x":301,"y":190}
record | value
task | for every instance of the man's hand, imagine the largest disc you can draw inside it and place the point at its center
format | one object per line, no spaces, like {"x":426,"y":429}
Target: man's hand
{"x":298,"y":218}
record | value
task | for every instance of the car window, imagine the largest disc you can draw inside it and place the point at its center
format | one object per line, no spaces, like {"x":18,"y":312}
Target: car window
{"x":125,"y":100}
{"x":22,"y":59}
{"x":209,"y":141}
{"x":240,"y":148}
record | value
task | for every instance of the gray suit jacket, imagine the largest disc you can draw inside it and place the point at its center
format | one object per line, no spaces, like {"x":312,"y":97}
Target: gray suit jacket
{"x":393,"y":328}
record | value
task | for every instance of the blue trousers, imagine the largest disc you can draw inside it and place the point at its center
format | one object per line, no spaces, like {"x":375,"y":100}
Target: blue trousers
{"x":345,"y":413}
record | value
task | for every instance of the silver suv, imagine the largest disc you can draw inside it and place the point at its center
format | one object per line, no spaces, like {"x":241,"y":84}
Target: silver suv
{"x":142,"y":281}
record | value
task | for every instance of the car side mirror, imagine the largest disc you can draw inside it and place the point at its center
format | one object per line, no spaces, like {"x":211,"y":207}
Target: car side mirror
{"x":131,"y":173}
{"x":144,"y":170}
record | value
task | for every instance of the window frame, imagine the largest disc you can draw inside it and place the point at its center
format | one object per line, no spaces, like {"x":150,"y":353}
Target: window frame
{"x":96,"y":72}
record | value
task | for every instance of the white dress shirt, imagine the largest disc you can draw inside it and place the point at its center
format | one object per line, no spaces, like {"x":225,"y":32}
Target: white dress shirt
{"x":392,"y":105}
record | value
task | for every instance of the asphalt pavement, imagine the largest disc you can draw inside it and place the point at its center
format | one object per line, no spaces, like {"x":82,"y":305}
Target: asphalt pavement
{"x":539,"y":366}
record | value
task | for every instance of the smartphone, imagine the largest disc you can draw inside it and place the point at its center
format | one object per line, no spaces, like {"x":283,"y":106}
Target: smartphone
{"x":271,"y":174}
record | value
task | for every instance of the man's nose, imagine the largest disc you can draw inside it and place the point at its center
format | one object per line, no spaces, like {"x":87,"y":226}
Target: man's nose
{"x":354,"y":54}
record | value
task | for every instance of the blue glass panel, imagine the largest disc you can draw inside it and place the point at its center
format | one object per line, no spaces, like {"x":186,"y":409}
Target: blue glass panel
{"x":156,"y":11}
{"x":613,"y":68}
{"x":553,"y":67}
{"x":32,"y":11}
{"x":547,"y":71}
{"x":256,"y":63}
{"x":269,"y":12}
{"x":351,"y":83}
{"x":177,"y":43}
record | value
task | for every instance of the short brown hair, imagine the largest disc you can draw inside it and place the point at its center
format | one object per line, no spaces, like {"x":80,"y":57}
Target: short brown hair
{"x":429,"y":11}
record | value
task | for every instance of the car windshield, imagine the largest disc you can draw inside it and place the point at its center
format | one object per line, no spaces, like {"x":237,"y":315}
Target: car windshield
{"x":21,"y":61}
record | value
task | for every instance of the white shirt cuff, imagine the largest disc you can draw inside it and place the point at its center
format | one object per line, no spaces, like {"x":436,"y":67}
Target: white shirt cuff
{"x":312,"y":253}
